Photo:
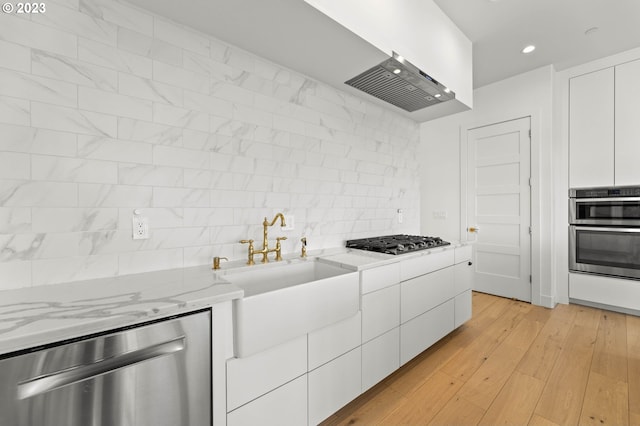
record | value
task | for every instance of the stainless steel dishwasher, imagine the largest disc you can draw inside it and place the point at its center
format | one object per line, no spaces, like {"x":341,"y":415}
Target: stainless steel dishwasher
{"x":156,"y":374}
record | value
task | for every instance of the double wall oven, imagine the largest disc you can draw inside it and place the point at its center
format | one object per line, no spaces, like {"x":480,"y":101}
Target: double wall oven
{"x":604,"y":231}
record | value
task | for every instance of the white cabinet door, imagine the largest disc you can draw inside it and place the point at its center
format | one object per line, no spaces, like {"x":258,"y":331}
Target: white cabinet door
{"x":332,"y":341}
{"x":463,"y":305}
{"x":380,"y":357}
{"x":591,"y":129}
{"x":378,"y":278}
{"x":463,"y":277}
{"x":286,"y":405}
{"x":334,"y":385}
{"x":380,"y":312}
{"x":425,"y":292}
{"x":423,"y":331}
{"x":627,"y":128}
{"x":250,"y":377}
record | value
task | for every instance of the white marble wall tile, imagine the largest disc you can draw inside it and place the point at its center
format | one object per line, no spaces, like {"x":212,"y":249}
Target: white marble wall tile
{"x":180,"y":157}
{"x":114,"y":104}
{"x":252,"y":115}
{"x":97,"y":195}
{"x":71,"y":4}
{"x":181,"y":36}
{"x":143,"y":131}
{"x":229,"y":127}
{"x":15,"y":275}
{"x":133,"y":41}
{"x":205,"y":65}
{"x":207,"y":179}
{"x":151,"y":260}
{"x":74,"y":219}
{"x":104,"y":148}
{"x":37,"y":36}
{"x":119,"y":13}
{"x":196,"y":256}
{"x":182,"y":197}
{"x":15,"y":220}
{"x":282,"y":122}
{"x":26,"y":193}
{"x":63,"y":18}
{"x":61,"y":169}
{"x":14,"y":56}
{"x":111,"y":57}
{"x":35,"y":88}
{"x":180,"y":77}
{"x":14,"y":166}
{"x":194,"y":139}
{"x":159,"y":217}
{"x":221,"y":161}
{"x":223,"y":198}
{"x":53,"y":271}
{"x":273,"y":105}
{"x":207,"y":216}
{"x":204,"y":103}
{"x":232,"y":93}
{"x":176,"y":238}
{"x":180,"y":117}
{"x":72,"y":120}
{"x":138,"y":174}
{"x":148,"y":89}
{"x":72,"y":71}
{"x":36,"y":141}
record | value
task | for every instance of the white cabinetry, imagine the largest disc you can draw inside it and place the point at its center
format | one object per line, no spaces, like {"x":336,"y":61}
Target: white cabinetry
{"x":627,"y":123}
{"x":591,"y":129}
{"x":463,"y":283}
{"x":603,"y":127}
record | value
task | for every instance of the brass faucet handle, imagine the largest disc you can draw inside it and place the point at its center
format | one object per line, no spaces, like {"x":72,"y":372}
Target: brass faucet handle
{"x":216,"y":262}
{"x":303,"y":252}
{"x":250,"y":242}
{"x":281,"y":238}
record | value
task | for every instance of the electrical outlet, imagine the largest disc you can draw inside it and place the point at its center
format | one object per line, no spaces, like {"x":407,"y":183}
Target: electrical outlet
{"x":400,"y":216}
{"x":289,"y":219}
{"x":439,"y":214}
{"x":140,"y":227}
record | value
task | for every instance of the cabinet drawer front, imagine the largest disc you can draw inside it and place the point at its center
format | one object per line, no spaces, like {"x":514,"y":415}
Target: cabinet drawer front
{"x":334,"y":385}
{"x":463,"y":277}
{"x":425,"y":292}
{"x":463,"y":254}
{"x":423,"y":331}
{"x":463,"y":308}
{"x":380,"y":357}
{"x":331,"y":342}
{"x":380,"y":312}
{"x":286,"y":405}
{"x":424,"y":264}
{"x":379,"y":278}
{"x":255,"y":375}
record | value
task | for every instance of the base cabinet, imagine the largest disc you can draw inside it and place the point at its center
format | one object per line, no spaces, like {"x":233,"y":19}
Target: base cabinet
{"x":286,"y":405}
{"x":423,"y":331}
{"x":380,"y":357}
{"x":334,"y":385}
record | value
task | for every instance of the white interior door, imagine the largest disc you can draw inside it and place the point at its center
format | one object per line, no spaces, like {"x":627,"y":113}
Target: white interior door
{"x":499,"y":207}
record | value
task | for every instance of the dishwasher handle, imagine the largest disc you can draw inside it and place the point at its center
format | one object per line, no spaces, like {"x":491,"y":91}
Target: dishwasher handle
{"x":79,"y":373}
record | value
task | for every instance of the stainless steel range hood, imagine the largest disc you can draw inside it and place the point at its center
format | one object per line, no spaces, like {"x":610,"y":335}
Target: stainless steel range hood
{"x":402,"y":84}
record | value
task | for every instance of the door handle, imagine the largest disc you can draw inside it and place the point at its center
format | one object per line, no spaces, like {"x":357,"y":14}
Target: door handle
{"x":40,"y":385}
{"x":472,"y":229}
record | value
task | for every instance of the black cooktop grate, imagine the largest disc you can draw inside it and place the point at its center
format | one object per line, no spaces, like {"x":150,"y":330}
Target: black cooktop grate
{"x":396,"y":244}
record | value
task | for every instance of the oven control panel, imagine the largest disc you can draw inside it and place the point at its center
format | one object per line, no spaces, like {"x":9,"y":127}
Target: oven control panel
{"x":605,"y":192}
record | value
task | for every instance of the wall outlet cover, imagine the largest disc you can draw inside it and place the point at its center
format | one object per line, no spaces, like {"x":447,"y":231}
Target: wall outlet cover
{"x":140,"y":227}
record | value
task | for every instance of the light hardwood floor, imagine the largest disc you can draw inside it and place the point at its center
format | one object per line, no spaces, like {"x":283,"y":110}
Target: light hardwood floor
{"x":517,"y":364}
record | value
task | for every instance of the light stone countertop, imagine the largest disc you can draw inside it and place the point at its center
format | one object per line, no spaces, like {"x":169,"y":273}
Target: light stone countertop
{"x":36,"y":316}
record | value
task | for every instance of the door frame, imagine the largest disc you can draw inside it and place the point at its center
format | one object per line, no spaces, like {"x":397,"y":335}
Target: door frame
{"x":536,"y":207}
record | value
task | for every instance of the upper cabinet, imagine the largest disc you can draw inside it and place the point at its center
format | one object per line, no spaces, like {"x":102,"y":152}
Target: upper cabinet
{"x":627,"y":123}
{"x":604,"y":136}
{"x":591,"y":129}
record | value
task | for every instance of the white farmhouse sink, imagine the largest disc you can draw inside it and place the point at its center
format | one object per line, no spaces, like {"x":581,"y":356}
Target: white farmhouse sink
{"x":285,"y":301}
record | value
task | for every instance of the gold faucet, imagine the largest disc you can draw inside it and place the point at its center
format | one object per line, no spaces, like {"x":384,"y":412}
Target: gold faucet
{"x":265,"y":242}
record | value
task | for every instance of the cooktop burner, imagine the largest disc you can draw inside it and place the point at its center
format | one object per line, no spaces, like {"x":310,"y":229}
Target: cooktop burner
{"x":397,"y":244}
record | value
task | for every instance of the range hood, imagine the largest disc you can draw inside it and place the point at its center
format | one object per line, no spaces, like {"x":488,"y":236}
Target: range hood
{"x":402,"y":84}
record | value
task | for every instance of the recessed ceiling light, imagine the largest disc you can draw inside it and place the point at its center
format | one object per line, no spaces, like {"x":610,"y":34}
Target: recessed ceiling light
{"x":447,"y":90}
{"x":437,"y":95}
{"x":528,"y":49}
{"x":396,"y":71}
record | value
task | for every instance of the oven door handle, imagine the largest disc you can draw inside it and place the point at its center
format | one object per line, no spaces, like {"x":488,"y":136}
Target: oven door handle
{"x":605,"y":228}
{"x":604,"y":199}
{"x":40,"y":385}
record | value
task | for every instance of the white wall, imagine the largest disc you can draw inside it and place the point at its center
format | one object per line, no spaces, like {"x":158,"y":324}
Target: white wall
{"x":528,"y":94}
{"x":105,"y":108}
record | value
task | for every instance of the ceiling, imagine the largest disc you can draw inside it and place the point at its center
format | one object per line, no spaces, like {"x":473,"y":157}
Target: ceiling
{"x":293,"y":34}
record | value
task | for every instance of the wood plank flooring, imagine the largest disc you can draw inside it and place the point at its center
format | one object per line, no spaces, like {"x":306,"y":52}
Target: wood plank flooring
{"x":515,"y":364}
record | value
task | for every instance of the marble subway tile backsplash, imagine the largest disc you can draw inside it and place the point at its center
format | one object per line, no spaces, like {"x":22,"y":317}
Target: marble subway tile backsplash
{"x":106,"y":108}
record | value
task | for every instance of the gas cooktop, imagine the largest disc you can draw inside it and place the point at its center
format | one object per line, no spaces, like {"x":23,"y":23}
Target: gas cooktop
{"x":396,"y":244}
